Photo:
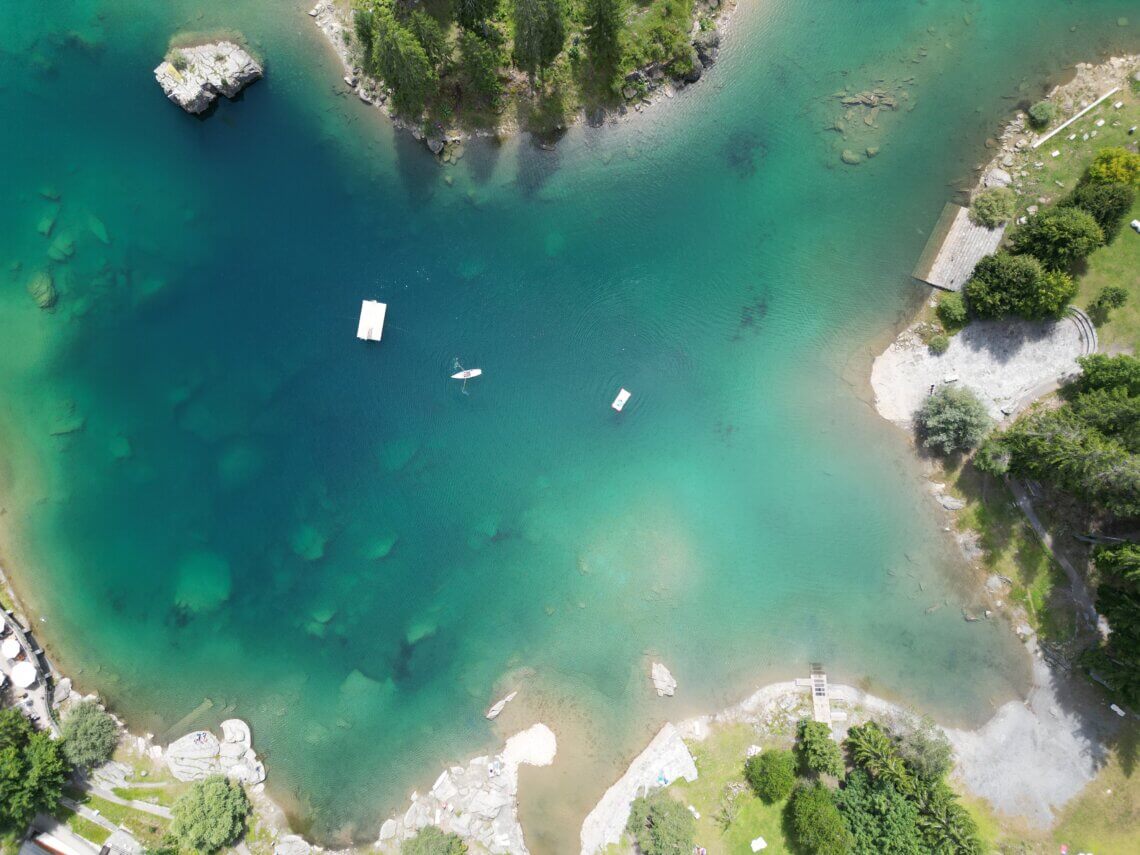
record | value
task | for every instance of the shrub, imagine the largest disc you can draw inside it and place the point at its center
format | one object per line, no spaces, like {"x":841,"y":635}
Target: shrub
{"x":993,"y":207}
{"x":1108,"y":204}
{"x":32,"y":772}
{"x":952,"y":419}
{"x":661,"y":825}
{"x":880,"y":819}
{"x":938,"y":344}
{"x":179,"y":61}
{"x":1115,"y":165}
{"x":1005,"y":284}
{"x":1041,"y":114}
{"x":993,"y":457}
{"x":816,"y":822}
{"x":818,"y":752}
{"x":1057,"y":237}
{"x":433,"y":841}
{"x":89,"y":735}
{"x":952,"y":311}
{"x":209,"y":816}
{"x":1100,"y":371}
{"x":771,"y":774}
{"x":926,"y":750}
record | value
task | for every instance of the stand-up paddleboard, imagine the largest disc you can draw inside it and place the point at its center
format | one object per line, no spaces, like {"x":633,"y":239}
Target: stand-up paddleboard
{"x":465,"y":374}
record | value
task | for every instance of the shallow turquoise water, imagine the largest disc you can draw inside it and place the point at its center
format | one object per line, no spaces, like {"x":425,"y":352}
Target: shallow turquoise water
{"x":209,"y":529}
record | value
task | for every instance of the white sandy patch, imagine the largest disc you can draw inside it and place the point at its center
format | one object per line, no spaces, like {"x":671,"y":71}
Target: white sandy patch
{"x":535,"y":746}
{"x":1007,"y":363}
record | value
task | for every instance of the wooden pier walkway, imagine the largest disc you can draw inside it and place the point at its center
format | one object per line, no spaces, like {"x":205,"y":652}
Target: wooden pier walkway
{"x":954,"y":247}
{"x":820,"y":695}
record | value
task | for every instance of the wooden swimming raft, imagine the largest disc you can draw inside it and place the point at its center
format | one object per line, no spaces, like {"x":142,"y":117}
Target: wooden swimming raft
{"x":954,"y":247}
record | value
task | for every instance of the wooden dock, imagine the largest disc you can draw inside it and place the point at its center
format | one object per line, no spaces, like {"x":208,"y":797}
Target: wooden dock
{"x":954,"y":247}
{"x":820,"y":695}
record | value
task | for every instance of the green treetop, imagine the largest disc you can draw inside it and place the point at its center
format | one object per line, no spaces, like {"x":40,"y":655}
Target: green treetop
{"x":209,"y":816}
{"x":89,"y":735}
{"x":33,"y":771}
{"x":540,"y":32}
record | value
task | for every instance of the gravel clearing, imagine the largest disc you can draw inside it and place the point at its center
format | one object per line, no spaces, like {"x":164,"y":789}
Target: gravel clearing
{"x":1008,"y":363}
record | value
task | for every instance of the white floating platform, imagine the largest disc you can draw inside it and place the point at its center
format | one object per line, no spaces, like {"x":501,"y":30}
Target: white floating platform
{"x":371,"y":326}
{"x":619,"y":402}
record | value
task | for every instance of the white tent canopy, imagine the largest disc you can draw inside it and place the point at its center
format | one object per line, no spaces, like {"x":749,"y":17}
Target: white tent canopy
{"x":10,"y":648}
{"x":24,"y":674}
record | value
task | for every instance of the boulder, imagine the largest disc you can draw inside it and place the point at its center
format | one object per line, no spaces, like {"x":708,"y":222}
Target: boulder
{"x":707,"y":46}
{"x":850,"y":157}
{"x":193,"y":77}
{"x":663,"y":681}
{"x":42,"y":289}
{"x":997,"y":178}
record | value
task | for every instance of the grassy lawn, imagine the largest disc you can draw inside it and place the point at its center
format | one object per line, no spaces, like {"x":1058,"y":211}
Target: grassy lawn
{"x":720,"y":762}
{"x":1106,"y":816}
{"x":165,"y":796}
{"x":1119,"y":262}
{"x":85,"y":828}
{"x":146,"y":828}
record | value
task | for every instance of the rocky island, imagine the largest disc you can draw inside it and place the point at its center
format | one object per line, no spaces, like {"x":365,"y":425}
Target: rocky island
{"x":193,"y":77}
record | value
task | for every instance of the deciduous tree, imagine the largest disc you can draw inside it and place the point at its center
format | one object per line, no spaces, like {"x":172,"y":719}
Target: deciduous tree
{"x":209,"y":816}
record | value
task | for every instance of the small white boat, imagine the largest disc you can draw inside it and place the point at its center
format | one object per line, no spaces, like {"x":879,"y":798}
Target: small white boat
{"x":497,"y":708}
{"x":619,"y":402}
{"x":467,"y":374}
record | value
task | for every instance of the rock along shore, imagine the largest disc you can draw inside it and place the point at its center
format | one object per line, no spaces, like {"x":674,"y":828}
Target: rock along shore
{"x":193,"y":77}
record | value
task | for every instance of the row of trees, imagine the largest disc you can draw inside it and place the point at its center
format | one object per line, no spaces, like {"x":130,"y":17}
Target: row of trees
{"x":34,"y":767}
{"x":1117,"y":660}
{"x":890,"y":795}
{"x":1089,"y":447}
{"x":460,"y":53}
{"x":1033,"y":278}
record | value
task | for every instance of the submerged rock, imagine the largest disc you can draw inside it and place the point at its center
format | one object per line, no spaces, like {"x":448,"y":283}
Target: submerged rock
{"x":61,"y":249}
{"x":382,"y":546}
{"x":193,"y":77}
{"x":204,"y":582}
{"x":308,"y":543}
{"x":850,"y":157}
{"x":47,"y":223}
{"x":98,"y":229}
{"x":42,"y":289}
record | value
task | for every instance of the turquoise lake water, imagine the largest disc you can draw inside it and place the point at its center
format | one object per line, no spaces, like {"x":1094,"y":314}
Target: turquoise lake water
{"x":202,"y":464}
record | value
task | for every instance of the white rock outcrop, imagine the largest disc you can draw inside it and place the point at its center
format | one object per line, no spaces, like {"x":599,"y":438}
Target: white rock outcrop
{"x":477,"y":801}
{"x":200,"y":754}
{"x":662,"y":762}
{"x":193,"y":77}
{"x":664,"y":682}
